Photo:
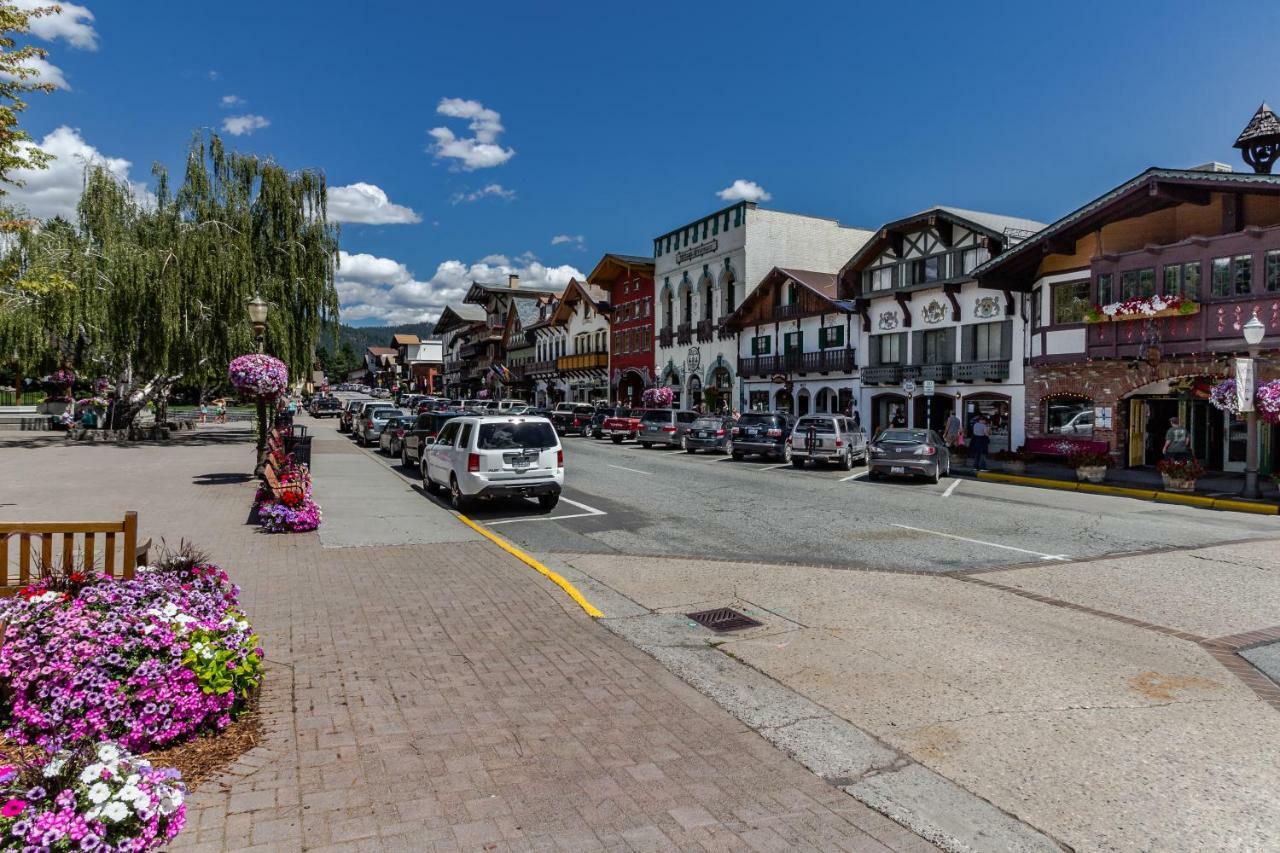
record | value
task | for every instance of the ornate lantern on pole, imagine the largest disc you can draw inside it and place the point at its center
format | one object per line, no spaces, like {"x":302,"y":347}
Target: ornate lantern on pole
{"x":1259,"y":142}
{"x":257,"y":308}
{"x":1254,"y":331}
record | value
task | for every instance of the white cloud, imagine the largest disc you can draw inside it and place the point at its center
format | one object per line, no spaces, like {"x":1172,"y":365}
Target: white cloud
{"x":378,"y":289}
{"x":575,"y":239}
{"x":240,"y":125}
{"x":55,"y":191}
{"x":46,"y":72}
{"x":228,"y":101}
{"x":741,"y":190}
{"x":367,"y":204}
{"x":72,"y":22}
{"x":495,"y":190}
{"x":480,"y":151}
{"x":212,"y":75}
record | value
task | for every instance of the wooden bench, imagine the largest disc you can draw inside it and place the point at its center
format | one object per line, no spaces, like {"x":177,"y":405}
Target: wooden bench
{"x":271,"y":475}
{"x":70,"y":546}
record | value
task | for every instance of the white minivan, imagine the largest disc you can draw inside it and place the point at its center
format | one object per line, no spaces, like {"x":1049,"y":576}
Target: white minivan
{"x":492,"y":456}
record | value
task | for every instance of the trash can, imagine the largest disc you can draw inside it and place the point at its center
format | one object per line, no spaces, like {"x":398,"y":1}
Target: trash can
{"x":299,"y":447}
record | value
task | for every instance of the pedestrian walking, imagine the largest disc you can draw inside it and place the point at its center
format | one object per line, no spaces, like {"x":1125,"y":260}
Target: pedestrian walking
{"x":1177,"y":441}
{"x":204,"y":412}
{"x":981,"y":441}
{"x":952,"y":431}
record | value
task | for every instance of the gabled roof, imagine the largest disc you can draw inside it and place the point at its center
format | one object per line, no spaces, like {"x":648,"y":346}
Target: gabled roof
{"x":480,"y":292}
{"x":576,"y":292}
{"x":404,"y":340}
{"x":1006,"y":229}
{"x":822,"y":284}
{"x":457,"y":315}
{"x":1149,"y":191}
{"x":612,"y":265}
{"x":524,"y":310}
{"x":383,"y":351}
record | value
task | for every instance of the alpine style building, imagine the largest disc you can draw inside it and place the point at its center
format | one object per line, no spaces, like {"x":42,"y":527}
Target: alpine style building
{"x":705,"y":269}
{"x":628,"y":281}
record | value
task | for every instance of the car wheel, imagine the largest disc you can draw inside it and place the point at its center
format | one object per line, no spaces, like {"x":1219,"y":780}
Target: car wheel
{"x":646,"y":444}
{"x":797,"y":463}
{"x":873,"y":474}
{"x":935,"y":476}
{"x":728,"y":446}
{"x":737,"y":456}
{"x":427,"y":484}
{"x":404,"y":456}
{"x":617,"y":439}
{"x":846,"y":461}
{"x":546,"y":503}
{"x":786,"y":453}
{"x":457,"y":499}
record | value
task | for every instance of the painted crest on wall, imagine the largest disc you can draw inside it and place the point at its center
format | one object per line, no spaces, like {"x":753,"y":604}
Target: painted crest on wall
{"x":693,"y":360}
{"x":986,"y":307}
{"x":934,"y":312}
{"x":888,"y":320}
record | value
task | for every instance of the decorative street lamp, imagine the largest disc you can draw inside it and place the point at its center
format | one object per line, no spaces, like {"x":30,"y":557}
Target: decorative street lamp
{"x":1254,"y":331}
{"x":257,"y":308}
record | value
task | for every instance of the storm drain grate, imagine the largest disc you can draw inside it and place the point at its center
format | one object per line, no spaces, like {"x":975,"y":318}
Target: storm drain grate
{"x":723,"y":619}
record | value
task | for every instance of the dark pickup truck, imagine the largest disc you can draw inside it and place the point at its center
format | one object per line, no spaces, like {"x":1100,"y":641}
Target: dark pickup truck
{"x":573,"y":418}
{"x":326,"y":407}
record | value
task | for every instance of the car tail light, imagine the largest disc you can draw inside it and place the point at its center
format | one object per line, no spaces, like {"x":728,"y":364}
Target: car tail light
{"x":559,"y":458}
{"x":773,"y":433}
{"x":926,"y":450}
{"x":788,"y":441}
{"x":668,"y":429}
{"x":737,"y":431}
{"x":839,"y":442}
{"x":369,"y":423}
{"x":719,"y":432}
{"x":473,"y":462}
{"x":399,"y":432}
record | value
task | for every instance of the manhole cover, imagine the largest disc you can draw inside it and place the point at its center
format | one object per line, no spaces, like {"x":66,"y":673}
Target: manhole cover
{"x":723,"y":619}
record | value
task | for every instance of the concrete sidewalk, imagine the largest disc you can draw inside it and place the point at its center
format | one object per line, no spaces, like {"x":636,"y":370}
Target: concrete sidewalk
{"x":438,"y":694}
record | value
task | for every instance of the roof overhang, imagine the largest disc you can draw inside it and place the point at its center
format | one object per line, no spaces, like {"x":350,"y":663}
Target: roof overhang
{"x":764,"y":290}
{"x":611,"y":266}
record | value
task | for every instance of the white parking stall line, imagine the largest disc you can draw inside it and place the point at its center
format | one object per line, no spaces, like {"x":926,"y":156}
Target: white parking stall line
{"x":632,"y":470}
{"x":589,"y":511}
{"x":951,"y":488}
{"x":988,"y":544}
{"x":774,"y":467}
{"x":854,"y":476}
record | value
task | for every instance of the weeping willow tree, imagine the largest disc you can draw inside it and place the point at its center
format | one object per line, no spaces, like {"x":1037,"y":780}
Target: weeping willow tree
{"x":153,"y":290}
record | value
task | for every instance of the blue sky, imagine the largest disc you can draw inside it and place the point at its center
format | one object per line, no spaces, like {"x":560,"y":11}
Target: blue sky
{"x":608,"y":124}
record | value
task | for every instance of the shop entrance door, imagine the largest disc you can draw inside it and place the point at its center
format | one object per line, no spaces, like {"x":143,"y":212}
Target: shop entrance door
{"x":1235,"y":443}
{"x":1137,"y":432}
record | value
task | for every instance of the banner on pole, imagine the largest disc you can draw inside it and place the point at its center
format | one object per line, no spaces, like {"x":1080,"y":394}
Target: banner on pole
{"x":1244,"y":384}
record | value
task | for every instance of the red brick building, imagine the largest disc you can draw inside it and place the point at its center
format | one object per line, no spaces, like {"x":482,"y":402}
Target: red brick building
{"x":629,"y":281}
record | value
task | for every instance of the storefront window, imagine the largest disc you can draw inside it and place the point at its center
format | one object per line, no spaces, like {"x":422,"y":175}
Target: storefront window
{"x":996,"y":411}
{"x":758,"y":401}
{"x":1068,"y":416}
{"x":1070,"y":302}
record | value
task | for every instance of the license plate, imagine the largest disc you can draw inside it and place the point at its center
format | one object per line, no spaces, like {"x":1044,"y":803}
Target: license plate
{"x":897,"y":469}
{"x":702,"y":434}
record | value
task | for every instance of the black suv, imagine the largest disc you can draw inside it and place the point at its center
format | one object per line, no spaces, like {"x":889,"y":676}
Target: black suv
{"x":764,"y":433}
{"x":424,"y":429}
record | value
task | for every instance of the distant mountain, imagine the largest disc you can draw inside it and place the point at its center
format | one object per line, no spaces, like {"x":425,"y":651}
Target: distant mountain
{"x":363,"y":337}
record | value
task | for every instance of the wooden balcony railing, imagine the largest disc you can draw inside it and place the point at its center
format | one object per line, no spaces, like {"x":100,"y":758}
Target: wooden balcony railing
{"x":546,"y":367}
{"x":666,"y":337}
{"x":982,"y":371}
{"x":684,"y":334}
{"x":823,"y":361}
{"x":885,"y":374}
{"x":921,"y":372}
{"x":706,"y":331}
{"x":583,"y":361}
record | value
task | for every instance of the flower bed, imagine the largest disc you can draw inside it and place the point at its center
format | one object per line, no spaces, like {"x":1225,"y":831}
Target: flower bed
{"x":295,"y":511}
{"x":1267,"y":400}
{"x":258,"y":375}
{"x":94,"y":798}
{"x":1140,"y":308}
{"x":145,"y":662}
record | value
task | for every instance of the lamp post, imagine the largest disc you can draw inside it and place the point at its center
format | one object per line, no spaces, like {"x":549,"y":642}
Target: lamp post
{"x":257,"y":308}
{"x":1254,"y":331}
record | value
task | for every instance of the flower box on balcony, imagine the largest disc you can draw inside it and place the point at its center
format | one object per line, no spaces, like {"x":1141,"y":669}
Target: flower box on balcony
{"x":1152,"y":308}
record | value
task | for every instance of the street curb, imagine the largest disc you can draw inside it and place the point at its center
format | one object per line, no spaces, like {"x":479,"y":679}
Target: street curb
{"x":1156,"y":495}
{"x":591,"y":609}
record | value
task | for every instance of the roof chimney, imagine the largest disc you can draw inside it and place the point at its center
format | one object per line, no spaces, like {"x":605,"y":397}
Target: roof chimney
{"x":513,"y":281}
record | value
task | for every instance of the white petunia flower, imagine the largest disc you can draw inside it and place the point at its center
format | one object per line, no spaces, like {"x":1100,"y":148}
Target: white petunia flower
{"x":92,"y":773}
{"x":99,"y":793}
{"x":115,"y":811}
{"x":108,"y":753}
{"x":171,"y":609}
{"x":170,"y":801}
{"x":54,"y":767}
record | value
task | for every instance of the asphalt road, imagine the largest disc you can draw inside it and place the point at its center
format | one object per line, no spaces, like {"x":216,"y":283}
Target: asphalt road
{"x":629,"y":500}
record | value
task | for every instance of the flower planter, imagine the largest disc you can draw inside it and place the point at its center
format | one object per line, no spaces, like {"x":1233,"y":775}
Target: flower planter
{"x":1091,"y":473}
{"x":1175,"y":484}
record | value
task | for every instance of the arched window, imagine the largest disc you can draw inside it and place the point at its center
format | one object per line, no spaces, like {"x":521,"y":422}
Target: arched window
{"x":687,"y":316}
{"x":668,"y":308}
{"x":708,"y":305}
{"x":1068,"y":414}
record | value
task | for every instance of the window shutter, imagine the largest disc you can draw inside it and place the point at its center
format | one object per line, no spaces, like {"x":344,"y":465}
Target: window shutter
{"x":917,"y":348}
{"x":873,"y":351}
{"x":966,"y":343}
{"x":902,"y":347}
{"x":949,"y":345}
{"x":1006,"y":339}
{"x":755,"y":346}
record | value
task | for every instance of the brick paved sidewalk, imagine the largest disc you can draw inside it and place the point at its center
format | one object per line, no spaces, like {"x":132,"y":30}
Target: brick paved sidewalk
{"x":444,"y":696}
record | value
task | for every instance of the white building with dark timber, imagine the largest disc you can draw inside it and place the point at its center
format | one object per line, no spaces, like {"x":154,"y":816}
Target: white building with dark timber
{"x":703,"y":271}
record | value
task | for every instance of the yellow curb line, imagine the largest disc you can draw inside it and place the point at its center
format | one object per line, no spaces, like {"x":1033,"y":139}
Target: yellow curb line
{"x":556,"y":579}
{"x":1141,"y":494}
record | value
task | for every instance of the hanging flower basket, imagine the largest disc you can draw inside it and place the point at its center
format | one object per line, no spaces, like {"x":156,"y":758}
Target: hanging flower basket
{"x":1150,"y":308}
{"x":258,"y":375}
{"x":1223,"y":397}
{"x":1267,"y":401}
{"x":657,"y":397}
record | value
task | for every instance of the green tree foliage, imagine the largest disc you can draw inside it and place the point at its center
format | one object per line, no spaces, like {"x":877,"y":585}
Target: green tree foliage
{"x":156,"y":288}
{"x":18,"y":79}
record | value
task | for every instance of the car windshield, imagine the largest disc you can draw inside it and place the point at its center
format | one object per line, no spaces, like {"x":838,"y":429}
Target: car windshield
{"x":757,"y":420}
{"x":515,"y":435}
{"x":902,"y":436}
{"x":384,"y":414}
{"x":658,"y":415}
{"x":708,"y":423}
{"x":823,"y":424}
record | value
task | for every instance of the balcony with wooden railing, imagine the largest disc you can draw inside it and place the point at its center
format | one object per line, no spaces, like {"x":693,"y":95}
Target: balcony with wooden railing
{"x":684,"y":334}
{"x":583,"y":361}
{"x":933,"y":372}
{"x":706,"y":331}
{"x":666,"y":337}
{"x":822,"y":361}
{"x":982,"y":371}
{"x":546,"y":367}
{"x":882,"y":374}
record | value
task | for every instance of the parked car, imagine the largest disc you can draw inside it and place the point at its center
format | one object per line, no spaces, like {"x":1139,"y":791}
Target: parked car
{"x":665,"y":426}
{"x":709,"y":432}
{"x":575,"y":417}
{"x":326,"y":407}
{"x":349,"y":414}
{"x":827,"y":438}
{"x":623,"y":424}
{"x":424,"y":430}
{"x":763,"y":433}
{"x":603,"y":413}
{"x":371,"y":422}
{"x":492,"y":456}
{"x":909,"y":453}
{"x":391,"y":438}
{"x":361,"y":414}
